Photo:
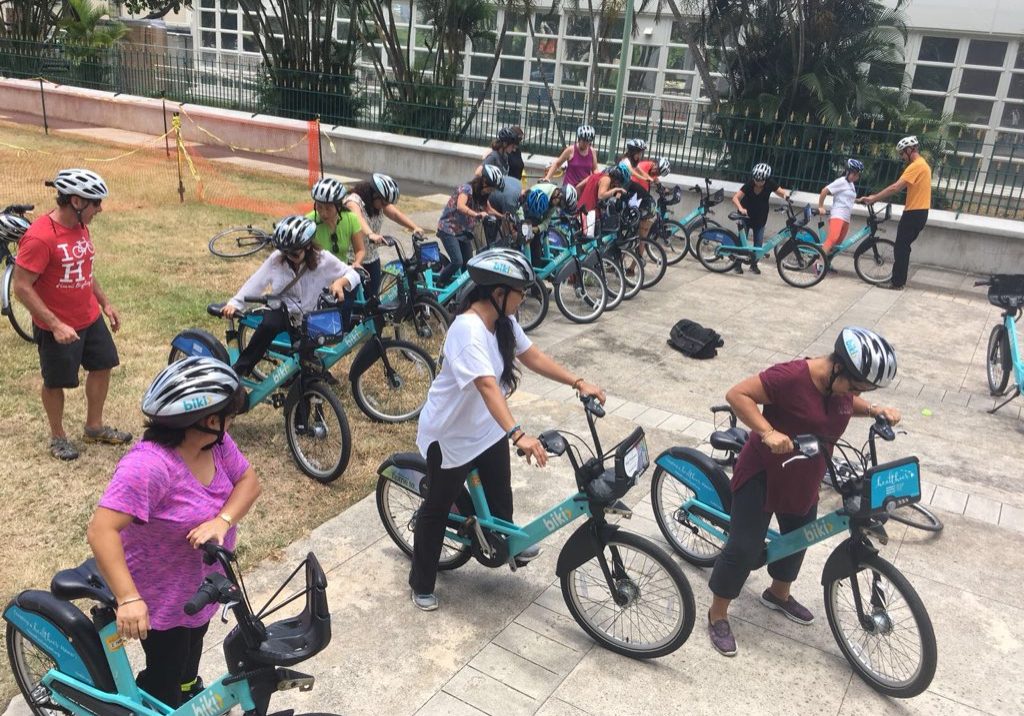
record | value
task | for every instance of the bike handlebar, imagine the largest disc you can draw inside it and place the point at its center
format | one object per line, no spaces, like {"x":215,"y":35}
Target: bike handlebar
{"x":206,"y":594}
{"x":20,"y":209}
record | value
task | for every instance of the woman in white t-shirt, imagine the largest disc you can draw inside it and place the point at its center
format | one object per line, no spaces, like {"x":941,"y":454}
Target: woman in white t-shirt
{"x":466,"y":421}
{"x":844,"y":194}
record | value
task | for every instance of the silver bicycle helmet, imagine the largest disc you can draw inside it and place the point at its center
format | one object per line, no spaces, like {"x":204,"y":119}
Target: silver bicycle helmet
{"x":493,"y":176}
{"x":80,"y":182}
{"x":570,"y":199}
{"x":12,"y":227}
{"x":328,"y":191}
{"x":907,"y":143}
{"x":664,"y":167}
{"x":585,"y":133}
{"x":501,"y":267}
{"x":293,"y":233}
{"x":761,"y":172}
{"x":386,"y":187}
{"x":866,"y":356}
{"x":637,"y":144}
{"x":854,"y":165}
{"x":189,"y":390}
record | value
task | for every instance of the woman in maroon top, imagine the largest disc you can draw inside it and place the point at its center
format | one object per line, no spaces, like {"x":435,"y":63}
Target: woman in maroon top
{"x":814,"y":395}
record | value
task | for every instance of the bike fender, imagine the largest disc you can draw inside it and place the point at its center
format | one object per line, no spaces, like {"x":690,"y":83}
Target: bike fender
{"x":583,"y":545}
{"x":864,"y":246}
{"x":843,"y":561}
{"x":407,"y":470}
{"x":366,"y":357}
{"x":565,"y":271}
{"x":197,"y":342}
{"x":700,"y":473}
{"x":8,"y":289}
{"x":592,"y":260}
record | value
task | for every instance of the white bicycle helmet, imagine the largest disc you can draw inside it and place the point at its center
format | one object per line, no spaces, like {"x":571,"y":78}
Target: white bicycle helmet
{"x":664,"y":167}
{"x":189,"y":390}
{"x":866,"y":356}
{"x":328,"y":191}
{"x":585,"y":133}
{"x":12,"y":227}
{"x":761,"y":172}
{"x":570,"y":199}
{"x":854,"y":165}
{"x":79,"y":182}
{"x":493,"y":176}
{"x":907,"y":143}
{"x":637,"y":144}
{"x":386,"y":187}
{"x":501,"y":267}
{"x":293,"y":233}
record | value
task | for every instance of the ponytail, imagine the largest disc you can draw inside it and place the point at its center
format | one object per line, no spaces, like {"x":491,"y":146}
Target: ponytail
{"x":504,"y":331}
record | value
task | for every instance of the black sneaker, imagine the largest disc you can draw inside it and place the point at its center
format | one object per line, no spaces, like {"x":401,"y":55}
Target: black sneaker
{"x":737,"y":269}
{"x":755,"y":269}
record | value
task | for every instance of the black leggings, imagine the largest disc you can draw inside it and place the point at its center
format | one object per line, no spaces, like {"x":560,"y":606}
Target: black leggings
{"x":172,"y":662}
{"x":495,"y":468}
{"x":911,"y":224}
{"x":274,"y":322}
{"x":744,"y":552}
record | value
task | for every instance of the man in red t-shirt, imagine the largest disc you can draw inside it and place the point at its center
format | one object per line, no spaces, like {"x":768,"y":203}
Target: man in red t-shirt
{"x":53,"y":278}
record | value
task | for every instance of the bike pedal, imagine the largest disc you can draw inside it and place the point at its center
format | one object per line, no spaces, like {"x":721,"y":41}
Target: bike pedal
{"x":288,"y":679}
{"x":277,"y":400}
{"x":619,"y":509}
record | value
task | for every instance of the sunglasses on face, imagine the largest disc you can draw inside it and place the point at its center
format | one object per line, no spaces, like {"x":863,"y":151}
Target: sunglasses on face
{"x":297,"y":253}
{"x":96,"y":202}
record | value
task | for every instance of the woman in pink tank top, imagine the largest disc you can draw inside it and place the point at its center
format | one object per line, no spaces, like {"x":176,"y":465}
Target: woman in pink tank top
{"x":580,"y":159}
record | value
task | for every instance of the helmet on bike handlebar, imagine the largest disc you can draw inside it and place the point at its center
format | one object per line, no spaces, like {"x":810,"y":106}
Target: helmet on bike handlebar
{"x":12,"y":227}
{"x":664,"y":166}
{"x":189,"y":390}
{"x":79,"y":182}
{"x":866,"y":356}
{"x":854,"y":165}
{"x":386,"y":187}
{"x":585,"y":133}
{"x":329,"y":191}
{"x":761,"y":172}
{"x":907,"y":143}
{"x":293,"y":233}
{"x":537,"y":202}
{"x":493,"y":176}
{"x":501,"y":267}
{"x":570,"y":199}
{"x":636,"y":144}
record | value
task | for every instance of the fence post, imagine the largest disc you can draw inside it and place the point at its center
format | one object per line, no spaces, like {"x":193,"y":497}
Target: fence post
{"x":42,"y":98}
{"x":176,"y":122}
{"x":627,"y":34}
{"x":163,"y":114}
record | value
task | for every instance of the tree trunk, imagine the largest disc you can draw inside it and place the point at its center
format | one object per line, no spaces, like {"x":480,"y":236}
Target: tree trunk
{"x":487,"y":83}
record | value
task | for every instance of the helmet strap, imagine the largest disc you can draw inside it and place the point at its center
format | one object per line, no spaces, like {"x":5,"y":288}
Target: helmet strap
{"x":837,"y":371}
{"x":219,"y":432}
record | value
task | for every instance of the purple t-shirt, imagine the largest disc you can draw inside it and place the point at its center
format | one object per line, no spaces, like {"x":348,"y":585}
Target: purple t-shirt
{"x":797,"y":407}
{"x":152,"y":484}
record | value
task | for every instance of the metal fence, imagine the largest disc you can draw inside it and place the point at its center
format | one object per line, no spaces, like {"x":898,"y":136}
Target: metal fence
{"x":969,"y":175}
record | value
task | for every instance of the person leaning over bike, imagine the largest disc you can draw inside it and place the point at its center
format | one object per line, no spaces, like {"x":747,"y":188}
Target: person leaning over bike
{"x":466,"y":206}
{"x":813,"y":395}
{"x":917,"y":180}
{"x":500,"y":202}
{"x":597,"y":188}
{"x":297,"y":272}
{"x":752,"y":201}
{"x":466,"y":422}
{"x":338,"y":230}
{"x":53,"y":277}
{"x":539,"y":206}
{"x":185,"y":483}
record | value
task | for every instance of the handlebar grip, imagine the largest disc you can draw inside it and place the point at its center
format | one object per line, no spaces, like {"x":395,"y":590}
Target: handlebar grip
{"x":256,"y":299}
{"x":19,"y":208}
{"x":204,"y":596}
{"x":593,"y":405}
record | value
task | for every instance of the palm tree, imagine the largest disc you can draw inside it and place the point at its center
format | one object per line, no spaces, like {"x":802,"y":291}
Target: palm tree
{"x":84,"y":31}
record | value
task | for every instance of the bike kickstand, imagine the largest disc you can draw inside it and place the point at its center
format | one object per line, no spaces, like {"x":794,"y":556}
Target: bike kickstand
{"x":1016,"y":392}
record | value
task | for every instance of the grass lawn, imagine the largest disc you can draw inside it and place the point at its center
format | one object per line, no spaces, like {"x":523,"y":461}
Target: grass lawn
{"x":152,"y":261}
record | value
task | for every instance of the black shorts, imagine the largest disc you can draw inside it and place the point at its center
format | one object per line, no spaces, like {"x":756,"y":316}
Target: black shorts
{"x":94,"y":350}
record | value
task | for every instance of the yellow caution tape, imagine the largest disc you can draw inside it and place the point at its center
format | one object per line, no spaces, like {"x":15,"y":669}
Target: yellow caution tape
{"x":239,"y":148}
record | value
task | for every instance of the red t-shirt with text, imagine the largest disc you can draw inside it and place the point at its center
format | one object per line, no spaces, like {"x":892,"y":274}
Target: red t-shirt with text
{"x":63,"y":259}
{"x":796,"y":407}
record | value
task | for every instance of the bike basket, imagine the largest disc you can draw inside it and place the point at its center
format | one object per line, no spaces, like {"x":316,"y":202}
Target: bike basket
{"x":631,"y":457}
{"x":890,"y":485}
{"x":1007,"y":291}
{"x":428,"y":253}
{"x":324,"y":326}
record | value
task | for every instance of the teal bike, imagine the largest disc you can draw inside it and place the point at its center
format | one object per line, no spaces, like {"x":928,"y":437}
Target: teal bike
{"x":674,"y":236}
{"x":876,"y":617}
{"x":67,"y":663}
{"x":800,"y":261}
{"x":389,"y":378}
{"x":622,"y":589}
{"x":873,"y":257}
{"x":1003,"y":357}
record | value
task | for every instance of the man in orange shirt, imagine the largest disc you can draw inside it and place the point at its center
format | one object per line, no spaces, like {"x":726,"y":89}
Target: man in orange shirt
{"x":917,"y":180}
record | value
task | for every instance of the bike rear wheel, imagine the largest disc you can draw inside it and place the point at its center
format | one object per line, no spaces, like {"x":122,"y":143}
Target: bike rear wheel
{"x":238,"y":241}
{"x":655,"y":263}
{"x":874,"y":261}
{"x":997,"y":364}
{"x":654,"y":613}
{"x":673,"y":238}
{"x":917,"y":515}
{"x":19,"y":316}
{"x":803,"y":266}
{"x":318,"y":433}
{"x":30,"y":664}
{"x":614,"y":281}
{"x":895,"y":652}
{"x":632,"y":272}
{"x":581,"y":297}
{"x":707,"y":252}
{"x":693,"y":544}
{"x":426,"y":325}
{"x":398,"y":508}
{"x":394,"y":388}
{"x":534,"y":306}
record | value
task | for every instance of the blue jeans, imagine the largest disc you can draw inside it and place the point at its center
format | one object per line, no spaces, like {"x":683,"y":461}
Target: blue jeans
{"x":459,"y":250}
{"x":757,"y":234}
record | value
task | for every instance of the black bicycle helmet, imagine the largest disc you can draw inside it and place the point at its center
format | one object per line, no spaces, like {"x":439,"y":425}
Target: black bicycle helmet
{"x":508,"y":135}
{"x":12,"y":227}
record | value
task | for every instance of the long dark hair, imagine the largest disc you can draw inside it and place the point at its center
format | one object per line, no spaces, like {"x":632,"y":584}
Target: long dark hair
{"x":367,"y":193}
{"x":477,"y":186}
{"x":311,"y":258}
{"x":510,"y":373}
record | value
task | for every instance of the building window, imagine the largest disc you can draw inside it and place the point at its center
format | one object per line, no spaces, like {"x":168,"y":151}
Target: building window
{"x":1016,"y":90}
{"x":887,"y":74}
{"x":989,"y":53}
{"x":932,"y":79}
{"x":938,"y":49}
{"x":973,"y":111}
{"x":980,"y":82}
{"x":1013,"y":116}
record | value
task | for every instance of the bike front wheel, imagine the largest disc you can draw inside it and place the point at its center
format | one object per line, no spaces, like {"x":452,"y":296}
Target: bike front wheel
{"x":615,"y":282}
{"x":398,"y":509}
{"x":651,"y":611}
{"x":874,"y":261}
{"x":803,"y":266}
{"x":30,"y":664}
{"x":673,"y":238}
{"x":238,"y":241}
{"x":997,"y":364}
{"x":917,"y":516}
{"x":632,"y":272}
{"x":534,"y":306}
{"x":394,"y":388}
{"x":668,"y":495}
{"x":19,"y":316}
{"x":655,"y":263}
{"x":318,"y":433}
{"x":890,"y":642}
{"x":581,"y":297}
{"x":425,"y":324}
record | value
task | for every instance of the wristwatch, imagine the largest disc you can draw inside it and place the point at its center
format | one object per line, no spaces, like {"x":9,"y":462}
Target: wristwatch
{"x":226,"y":517}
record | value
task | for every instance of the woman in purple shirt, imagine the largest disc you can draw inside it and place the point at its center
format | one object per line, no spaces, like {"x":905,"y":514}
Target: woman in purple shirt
{"x":579,"y":159}
{"x":814,"y":395}
{"x":183,"y":484}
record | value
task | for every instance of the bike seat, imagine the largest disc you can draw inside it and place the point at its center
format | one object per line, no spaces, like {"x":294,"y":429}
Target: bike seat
{"x":409,"y":460}
{"x":214,"y":309}
{"x":731,"y":439}
{"x":82,"y":582}
{"x":737,"y":216}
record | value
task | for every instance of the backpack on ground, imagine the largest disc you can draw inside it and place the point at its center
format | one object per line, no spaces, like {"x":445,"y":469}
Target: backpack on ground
{"x":694,"y":340}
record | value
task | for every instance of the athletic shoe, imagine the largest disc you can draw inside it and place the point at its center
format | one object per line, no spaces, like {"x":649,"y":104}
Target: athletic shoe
{"x":755,"y":269}
{"x":721,"y":636}
{"x":528,"y":555}
{"x":63,"y":449}
{"x":108,"y":435}
{"x":424,"y":602}
{"x":793,"y":609}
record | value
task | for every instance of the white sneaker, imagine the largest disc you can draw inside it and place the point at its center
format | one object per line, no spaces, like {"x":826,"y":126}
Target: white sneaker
{"x":425,"y":602}
{"x":528,"y":555}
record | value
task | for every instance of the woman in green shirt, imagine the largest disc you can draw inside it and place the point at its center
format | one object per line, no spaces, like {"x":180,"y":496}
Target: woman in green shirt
{"x":338,"y":230}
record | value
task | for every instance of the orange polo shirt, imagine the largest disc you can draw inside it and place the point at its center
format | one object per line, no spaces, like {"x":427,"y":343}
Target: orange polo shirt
{"x":918,"y":176}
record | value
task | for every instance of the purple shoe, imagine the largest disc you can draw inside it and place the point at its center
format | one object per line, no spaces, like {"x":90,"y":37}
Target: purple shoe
{"x":721,"y":637}
{"x":793,"y":609}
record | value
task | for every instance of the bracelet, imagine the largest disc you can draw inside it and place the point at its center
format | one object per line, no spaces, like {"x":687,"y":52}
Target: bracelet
{"x":576,"y":383}
{"x":522,"y":434}
{"x":129,"y":601}
{"x":512,"y":431}
{"x":766,"y":434}
{"x":873,"y":406}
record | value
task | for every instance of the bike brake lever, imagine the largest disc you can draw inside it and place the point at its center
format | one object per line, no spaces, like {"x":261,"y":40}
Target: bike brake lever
{"x":224,"y":611}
